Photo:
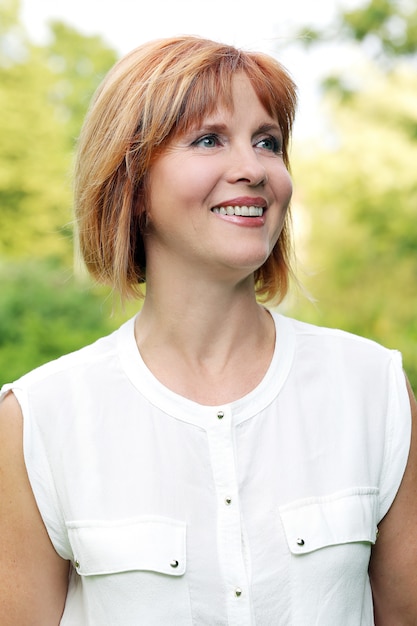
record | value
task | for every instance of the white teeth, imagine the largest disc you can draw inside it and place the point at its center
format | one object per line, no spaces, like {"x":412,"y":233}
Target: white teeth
{"x":246,"y":211}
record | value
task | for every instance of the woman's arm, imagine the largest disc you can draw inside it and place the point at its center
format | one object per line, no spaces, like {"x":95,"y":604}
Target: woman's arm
{"x":393,"y":568}
{"x":33,"y":577}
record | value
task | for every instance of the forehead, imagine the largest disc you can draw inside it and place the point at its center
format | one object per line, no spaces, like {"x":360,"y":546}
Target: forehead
{"x":244,"y":105}
{"x":224,"y":96}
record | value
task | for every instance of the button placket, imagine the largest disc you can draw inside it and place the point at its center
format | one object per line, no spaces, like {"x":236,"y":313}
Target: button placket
{"x":230,"y":550}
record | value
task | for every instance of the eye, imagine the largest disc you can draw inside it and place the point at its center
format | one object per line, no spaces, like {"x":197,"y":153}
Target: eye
{"x":207,"y":141}
{"x":270,"y":143}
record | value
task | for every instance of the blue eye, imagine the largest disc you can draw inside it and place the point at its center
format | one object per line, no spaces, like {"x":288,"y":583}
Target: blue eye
{"x":208,"y":141}
{"x":272,"y":144}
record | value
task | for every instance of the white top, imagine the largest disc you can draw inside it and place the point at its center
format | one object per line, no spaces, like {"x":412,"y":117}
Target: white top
{"x":262,"y":511}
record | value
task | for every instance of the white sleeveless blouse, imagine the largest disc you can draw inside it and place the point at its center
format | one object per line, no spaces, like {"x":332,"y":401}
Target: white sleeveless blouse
{"x":258,"y":512}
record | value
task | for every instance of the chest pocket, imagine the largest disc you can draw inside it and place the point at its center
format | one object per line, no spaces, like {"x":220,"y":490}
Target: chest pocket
{"x":153,"y":543}
{"x":329,"y":540}
{"x":344,"y":517}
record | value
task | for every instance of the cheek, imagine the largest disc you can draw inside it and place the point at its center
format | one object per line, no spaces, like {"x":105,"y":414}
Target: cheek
{"x":283,"y":189}
{"x":286,"y":188}
{"x":281,"y":183}
{"x":179,"y":183}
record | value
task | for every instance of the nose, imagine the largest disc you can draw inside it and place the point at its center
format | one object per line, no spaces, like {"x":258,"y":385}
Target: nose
{"x":246,"y":166}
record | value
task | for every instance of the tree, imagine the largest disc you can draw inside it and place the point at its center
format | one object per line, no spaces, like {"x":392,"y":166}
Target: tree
{"x":391,"y":24}
{"x":78,"y":64}
{"x":10,"y":31}
{"x":386,"y":28}
{"x":359,"y":189}
{"x":44,"y":313}
{"x":34,"y":180}
{"x":44,"y":94}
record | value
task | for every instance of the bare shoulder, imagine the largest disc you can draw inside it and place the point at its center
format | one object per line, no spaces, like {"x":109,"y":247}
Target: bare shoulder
{"x":393,"y":567}
{"x":33,"y":577}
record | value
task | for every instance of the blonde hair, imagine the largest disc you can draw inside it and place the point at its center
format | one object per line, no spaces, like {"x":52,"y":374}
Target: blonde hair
{"x":158,"y":90}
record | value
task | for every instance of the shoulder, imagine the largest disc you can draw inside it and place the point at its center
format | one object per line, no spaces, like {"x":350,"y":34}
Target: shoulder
{"x":84,"y":364}
{"x":28,"y":593}
{"x":356,"y":391}
{"x":340,"y":364}
{"x":393,"y":565}
{"x":324,"y":344}
{"x":332,"y":336}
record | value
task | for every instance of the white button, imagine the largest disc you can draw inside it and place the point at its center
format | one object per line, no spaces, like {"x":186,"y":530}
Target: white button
{"x":228,"y":500}
{"x":220,"y":415}
{"x":238,"y":592}
{"x":300,"y":542}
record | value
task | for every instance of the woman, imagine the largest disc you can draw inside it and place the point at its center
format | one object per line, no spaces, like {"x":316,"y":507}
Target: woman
{"x":210,"y":462}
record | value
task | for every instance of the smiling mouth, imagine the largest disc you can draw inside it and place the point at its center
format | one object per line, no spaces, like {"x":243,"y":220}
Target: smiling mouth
{"x":245,"y":211}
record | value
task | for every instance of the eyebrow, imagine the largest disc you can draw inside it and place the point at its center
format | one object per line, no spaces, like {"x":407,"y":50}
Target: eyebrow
{"x":219,"y":127}
{"x":214,"y":127}
{"x":270,"y":127}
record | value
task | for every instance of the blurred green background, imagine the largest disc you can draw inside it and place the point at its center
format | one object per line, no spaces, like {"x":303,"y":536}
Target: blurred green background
{"x":355,"y":202}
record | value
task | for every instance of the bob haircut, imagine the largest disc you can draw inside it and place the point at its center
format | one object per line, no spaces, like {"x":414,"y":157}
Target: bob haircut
{"x":156,"y":92}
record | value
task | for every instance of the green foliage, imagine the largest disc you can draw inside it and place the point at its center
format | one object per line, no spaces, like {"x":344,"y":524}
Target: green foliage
{"x":387,"y":27}
{"x":357,"y":186}
{"x":44,"y":313}
{"x":78,"y":64}
{"x":9,"y":22}
{"x":360,"y":199}
{"x":34,"y":191}
{"x":392,"y":22}
{"x":35,"y":195}
{"x":44,"y":94}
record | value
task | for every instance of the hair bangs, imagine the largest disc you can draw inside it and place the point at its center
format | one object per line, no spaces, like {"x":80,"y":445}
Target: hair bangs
{"x":210,"y":88}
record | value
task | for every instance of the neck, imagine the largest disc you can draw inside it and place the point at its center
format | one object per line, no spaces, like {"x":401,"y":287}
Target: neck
{"x":198,"y":313}
{"x":199,"y":338}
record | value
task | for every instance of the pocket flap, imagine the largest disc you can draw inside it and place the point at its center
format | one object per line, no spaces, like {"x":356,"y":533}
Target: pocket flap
{"x":343,"y":517}
{"x":147,"y":543}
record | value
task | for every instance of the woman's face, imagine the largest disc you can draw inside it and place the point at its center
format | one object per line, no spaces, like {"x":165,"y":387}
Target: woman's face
{"x":218,"y":195}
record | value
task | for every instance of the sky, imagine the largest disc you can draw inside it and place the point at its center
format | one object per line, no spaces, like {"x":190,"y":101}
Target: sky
{"x":264,"y":25}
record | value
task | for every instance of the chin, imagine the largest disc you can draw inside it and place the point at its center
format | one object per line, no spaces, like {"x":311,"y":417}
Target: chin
{"x":247,"y":266}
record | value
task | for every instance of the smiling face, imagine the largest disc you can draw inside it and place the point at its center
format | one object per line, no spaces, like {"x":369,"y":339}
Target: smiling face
{"x":218,"y":195}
